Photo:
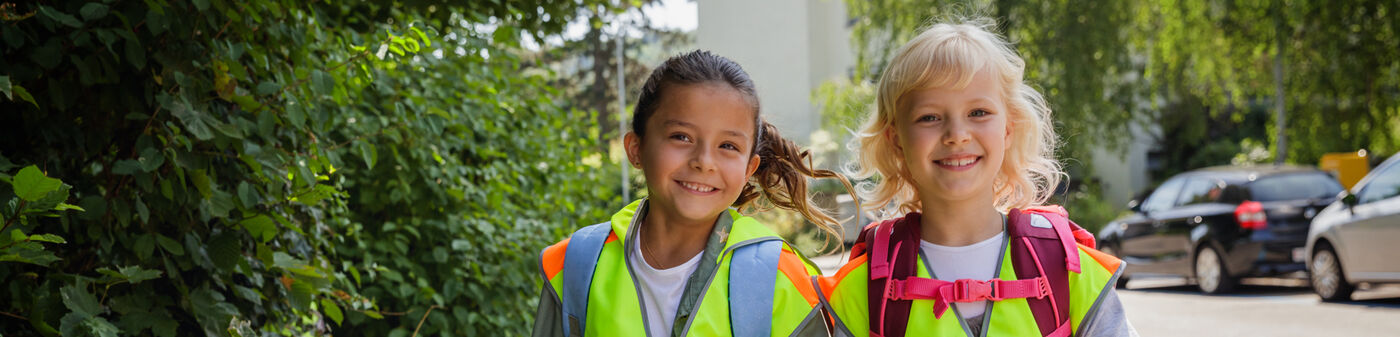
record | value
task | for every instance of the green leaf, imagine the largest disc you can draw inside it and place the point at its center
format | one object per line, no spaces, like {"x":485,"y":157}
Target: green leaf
{"x":224,"y":250}
{"x":301,"y":294}
{"x":24,"y":95}
{"x":144,"y":246}
{"x":315,"y":194}
{"x":93,"y":11}
{"x":142,"y":211}
{"x":135,"y":274}
{"x":322,"y":82}
{"x":170,"y":245}
{"x":422,"y":36}
{"x":50,"y":201}
{"x":331,"y":310}
{"x":5,"y":87}
{"x":247,"y":194}
{"x":261,"y":227}
{"x":29,"y":252}
{"x":99,"y":327}
{"x":368,"y":153}
{"x":32,"y":185}
{"x":150,"y":159}
{"x":221,"y":203}
{"x":60,"y":17}
{"x":267,"y":88}
{"x":76,"y":298}
{"x":67,"y":207}
{"x":50,"y":238}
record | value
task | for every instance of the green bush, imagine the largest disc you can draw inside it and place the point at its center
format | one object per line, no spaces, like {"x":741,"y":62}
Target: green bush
{"x":284,"y":167}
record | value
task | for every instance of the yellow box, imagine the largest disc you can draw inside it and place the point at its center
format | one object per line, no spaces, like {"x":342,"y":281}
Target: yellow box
{"x":1349,"y":167}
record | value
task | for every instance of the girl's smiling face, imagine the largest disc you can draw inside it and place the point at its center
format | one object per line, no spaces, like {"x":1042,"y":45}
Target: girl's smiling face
{"x":953,"y":140}
{"x":697,"y":153}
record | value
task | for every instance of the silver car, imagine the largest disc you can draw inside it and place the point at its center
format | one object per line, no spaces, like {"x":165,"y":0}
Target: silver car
{"x":1354,"y":240}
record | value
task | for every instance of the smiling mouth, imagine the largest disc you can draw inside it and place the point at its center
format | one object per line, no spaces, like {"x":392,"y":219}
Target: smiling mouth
{"x":696,"y":187}
{"x":959,"y":162}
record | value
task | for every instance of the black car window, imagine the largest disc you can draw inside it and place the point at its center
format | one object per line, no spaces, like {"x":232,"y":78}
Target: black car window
{"x":1383,"y":185}
{"x":1200,"y":190}
{"x":1164,"y":196}
{"x":1294,"y":186}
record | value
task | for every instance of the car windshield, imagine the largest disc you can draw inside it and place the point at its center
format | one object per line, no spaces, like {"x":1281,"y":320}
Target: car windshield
{"x":1294,"y":187}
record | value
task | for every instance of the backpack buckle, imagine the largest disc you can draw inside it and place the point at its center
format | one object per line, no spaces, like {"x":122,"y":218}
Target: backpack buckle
{"x":1045,"y":289}
{"x":894,"y":289}
{"x":969,"y":290}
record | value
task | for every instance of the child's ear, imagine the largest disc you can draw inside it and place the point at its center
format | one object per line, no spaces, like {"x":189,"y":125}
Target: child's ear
{"x":633,"y":144}
{"x":893,"y":138}
{"x":754,"y":160}
{"x":1010,"y":126}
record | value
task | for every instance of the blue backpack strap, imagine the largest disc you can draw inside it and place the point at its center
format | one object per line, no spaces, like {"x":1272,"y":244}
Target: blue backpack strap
{"x":752,"y":274}
{"x":580,"y":257}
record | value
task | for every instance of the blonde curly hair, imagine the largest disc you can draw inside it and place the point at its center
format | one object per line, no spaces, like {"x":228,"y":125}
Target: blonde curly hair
{"x":950,"y":55}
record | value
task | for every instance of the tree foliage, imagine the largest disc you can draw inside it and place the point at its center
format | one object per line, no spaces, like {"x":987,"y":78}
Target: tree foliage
{"x":276,"y":167}
{"x":1199,"y":71}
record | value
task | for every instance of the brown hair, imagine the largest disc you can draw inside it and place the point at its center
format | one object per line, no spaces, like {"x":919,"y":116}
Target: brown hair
{"x":783,"y":167}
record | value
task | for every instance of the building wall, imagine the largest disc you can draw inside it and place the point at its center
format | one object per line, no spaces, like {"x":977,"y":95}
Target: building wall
{"x":789,"y":47}
{"x":1125,"y":174}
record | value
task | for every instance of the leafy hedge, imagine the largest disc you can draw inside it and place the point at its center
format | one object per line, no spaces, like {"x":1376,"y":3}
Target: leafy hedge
{"x":283,"y":167}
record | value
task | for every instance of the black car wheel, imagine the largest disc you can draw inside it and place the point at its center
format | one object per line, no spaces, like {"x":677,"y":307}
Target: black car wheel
{"x":1327,"y":278}
{"x":1122,"y":278}
{"x":1211,"y":275}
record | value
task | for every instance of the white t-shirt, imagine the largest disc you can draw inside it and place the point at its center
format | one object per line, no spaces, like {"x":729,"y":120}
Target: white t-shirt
{"x":977,"y":261}
{"x":661,"y":289}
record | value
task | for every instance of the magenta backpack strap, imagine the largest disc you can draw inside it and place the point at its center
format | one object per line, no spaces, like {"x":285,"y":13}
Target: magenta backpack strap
{"x":894,"y":254}
{"x":1042,"y":245}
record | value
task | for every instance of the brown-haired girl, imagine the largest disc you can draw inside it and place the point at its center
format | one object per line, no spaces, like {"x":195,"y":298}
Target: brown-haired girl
{"x":683,"y":260}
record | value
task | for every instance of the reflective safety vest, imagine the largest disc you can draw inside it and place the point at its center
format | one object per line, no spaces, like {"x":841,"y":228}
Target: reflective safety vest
{"x":606,"y":302}
{"x":847,"y":294}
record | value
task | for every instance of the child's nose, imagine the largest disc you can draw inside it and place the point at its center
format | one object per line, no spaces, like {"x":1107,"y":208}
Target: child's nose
{"x":956,"y":133}
{"x":702,"y":158}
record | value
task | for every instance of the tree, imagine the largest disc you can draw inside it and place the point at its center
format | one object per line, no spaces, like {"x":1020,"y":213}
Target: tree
{"x":279,"y":168}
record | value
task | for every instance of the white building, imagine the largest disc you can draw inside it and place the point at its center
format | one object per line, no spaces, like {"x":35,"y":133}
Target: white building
{"x":789,"y":47}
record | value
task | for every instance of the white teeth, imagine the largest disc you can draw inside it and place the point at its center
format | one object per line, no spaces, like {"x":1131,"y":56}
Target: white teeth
{"x":958,"y":162}
{"x":697,"y":187}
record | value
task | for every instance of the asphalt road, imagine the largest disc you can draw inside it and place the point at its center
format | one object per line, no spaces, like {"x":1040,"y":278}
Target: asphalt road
{"x":1260,"y":307}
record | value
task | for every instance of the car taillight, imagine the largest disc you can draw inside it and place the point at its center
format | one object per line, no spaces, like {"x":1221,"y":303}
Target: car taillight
{"x":1250,"y":215}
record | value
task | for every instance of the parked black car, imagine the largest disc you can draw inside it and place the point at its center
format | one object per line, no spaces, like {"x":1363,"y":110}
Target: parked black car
{"x":1219,"y":224}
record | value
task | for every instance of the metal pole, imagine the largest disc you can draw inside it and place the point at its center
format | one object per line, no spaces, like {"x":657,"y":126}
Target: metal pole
{"x":622,"y":114}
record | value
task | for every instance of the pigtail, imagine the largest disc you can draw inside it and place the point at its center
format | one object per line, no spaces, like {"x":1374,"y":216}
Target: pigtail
{"x":781,"y":178}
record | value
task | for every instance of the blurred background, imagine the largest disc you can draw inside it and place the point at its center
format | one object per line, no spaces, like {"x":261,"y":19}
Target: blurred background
{"x":264,"y":167}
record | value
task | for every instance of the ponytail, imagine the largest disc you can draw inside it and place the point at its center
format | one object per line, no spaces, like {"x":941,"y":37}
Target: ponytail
{"x":781,"y":178}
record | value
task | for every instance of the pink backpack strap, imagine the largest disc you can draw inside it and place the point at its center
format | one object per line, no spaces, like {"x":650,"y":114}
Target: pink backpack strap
{"x":1042,"y":240}
{"x":888,"y":316}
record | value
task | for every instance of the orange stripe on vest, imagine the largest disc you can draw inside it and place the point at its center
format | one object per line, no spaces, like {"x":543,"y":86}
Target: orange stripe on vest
{"x":553,"y":259}
{"x":796,"y":271}
{"x":1107,"y":261}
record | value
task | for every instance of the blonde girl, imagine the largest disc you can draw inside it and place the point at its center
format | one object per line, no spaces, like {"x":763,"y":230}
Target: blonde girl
{"x":960,"y":152}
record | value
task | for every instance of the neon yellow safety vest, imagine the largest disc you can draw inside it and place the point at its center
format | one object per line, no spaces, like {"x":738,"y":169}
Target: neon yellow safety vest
{"x":846,"y":294}
{"x":613,"y":307}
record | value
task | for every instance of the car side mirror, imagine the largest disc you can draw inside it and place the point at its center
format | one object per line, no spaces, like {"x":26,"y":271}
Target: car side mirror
{"x":1135,"y":205}
{"x":1350,"y":201}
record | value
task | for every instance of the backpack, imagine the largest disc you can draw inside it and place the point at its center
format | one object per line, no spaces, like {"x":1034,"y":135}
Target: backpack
{"x":1043,"y":252}
{"x":750,"y":302}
